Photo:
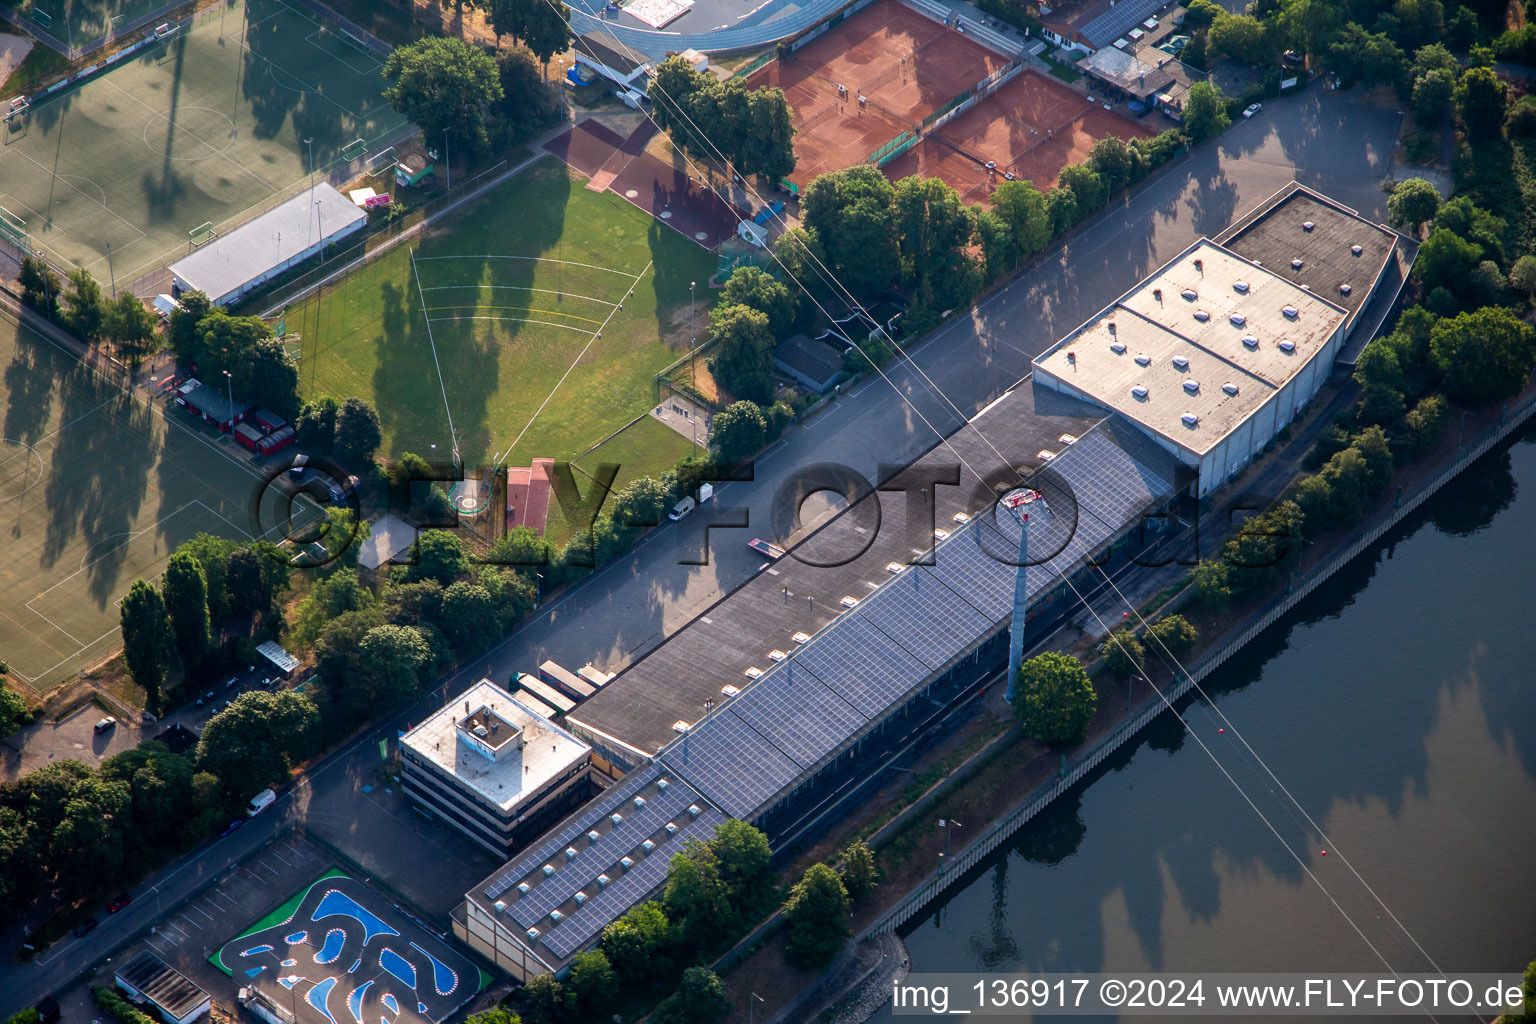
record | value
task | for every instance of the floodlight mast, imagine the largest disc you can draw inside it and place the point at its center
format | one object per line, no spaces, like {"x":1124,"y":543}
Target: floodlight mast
{"x":1014,"y":502}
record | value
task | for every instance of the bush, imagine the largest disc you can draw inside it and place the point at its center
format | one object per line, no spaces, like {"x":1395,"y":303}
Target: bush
{"x":1422,"y":147}
{"x":1175,"y":633}
{"x":108,"y":999}
{"x":1425,"y":424}
{"x":1053,"y":698}
{"x":817,"y":916}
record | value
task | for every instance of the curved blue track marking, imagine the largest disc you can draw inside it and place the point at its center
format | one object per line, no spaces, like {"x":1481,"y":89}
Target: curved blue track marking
{"x":335,"y":939}
{"x":252,"y":972}
{"x":443,"y":977}
{"x":336,"y":903}
{"x":355,"y":965}
{"x":319,"y":994}
{"x":399,"y":966}
{"x":296,"y":938}
{"x":355,"y":1001}
{"x":422,"y":1007}
{"x":256,"y":949}
{"x":390,"y":1003}
{"x":289,"y":963}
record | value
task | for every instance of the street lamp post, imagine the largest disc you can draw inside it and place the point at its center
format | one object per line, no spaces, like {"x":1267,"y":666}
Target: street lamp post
{"x":752,"y":1005}
{"x":111,"y":272}
{"x":947,"y":823}
{"x":447,"y":160}
{"x":47,"y":294}
{"x":693,"y":370}
{"x":1461,"y":427}
{"x":229,"y":382}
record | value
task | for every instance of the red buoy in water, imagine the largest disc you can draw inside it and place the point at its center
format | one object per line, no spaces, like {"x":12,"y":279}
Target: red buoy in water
{"x":1325,"y":853}
{"x":1221,"y":730}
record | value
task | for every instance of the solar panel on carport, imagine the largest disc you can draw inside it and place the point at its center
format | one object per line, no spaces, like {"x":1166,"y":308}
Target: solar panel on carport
{"x":1110,"y":485}
{"x":861,"y":664}
{"x":1119,"y":19}
{"x":925,"y":617}
{"x":798,"y":713}
{"x":965,"y":568}
{"x":731,"y":764}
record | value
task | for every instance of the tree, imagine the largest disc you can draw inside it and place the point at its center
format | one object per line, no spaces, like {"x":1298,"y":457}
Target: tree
{"x":1486,"y":284}
{"x":1445,"y":260}
{"x":1240,"y":36}
{"x":266,"y":375}
{"x":742,"y":855}
{"x":738,"y":430}
{"x":85,"y":309}
{"x":743,"y":363}
{"x":756,"y":289}
{"x":147,"y":639}
{"x":184,"y":331}
{"x":1432,"y":92}
{"x":1054,"y":698}
{"x":330,"y":596}
{"x":1463,"y":217}
{"x":316,"y":425}
{"x":1021,"y":208}
{"x":636,"y":943}
{"x":672,"y":90}
{"x":853,"y":214}
{"x":590,"y":986}
{"x":816,"y":916}
{"x":1061,"y":209}
{"x":393,"y":660}
{"x":1522,"y":276}
{"x":1480,"y":99}
{"x":1412,"y":203}
{"x":184,"y":589}
{"x":469,"y":617}
{"x":543,"y":1000}
{"x":1124,"y":654}
{"x":1193,"y":53}
{"x":1110,"y":159}
{"x":357,"y":433}
{"x":1425,"y":424}
{"x":859,"y":872}
{"x":548,"y":30}
{"x":1085,"y":187}
{"x":130,"y":326}
{"x":225,"y":339}
{"x":528,"y":103}
{"x":700,"y":999}
{"x":440,"y":556}
{"x":40,"y":286}
{"x":1521,"y":119}
{"x":1367,"y":58}
{"x":697,"y":900}
{"x":769,"y":148}
{"x":507,"y":17}
{"x":934,"y":231}
{"x":13,"y":710}
{"x":641,"y":502}
{"x":252,"y":579}
{"x":88,"y":845}
{"x":1484,"y":355}
{"x":1174,"y":634}
{"x":258,"y":739}
{"x":443,"y":84}
{"x":1205,"y":112}
{"x":494,"y":1015}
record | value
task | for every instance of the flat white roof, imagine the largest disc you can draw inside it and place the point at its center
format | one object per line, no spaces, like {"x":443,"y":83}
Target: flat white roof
{"x":1209,"y":335}
{"x":284,"y":232}
{"x":387,"y":537}
{"x":547,"y":750}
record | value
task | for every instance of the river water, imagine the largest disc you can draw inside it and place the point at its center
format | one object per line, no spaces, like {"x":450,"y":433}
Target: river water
{"x":1397,"y":704}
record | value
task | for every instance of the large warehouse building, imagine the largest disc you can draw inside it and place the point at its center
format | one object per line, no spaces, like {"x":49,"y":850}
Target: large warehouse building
{"x":233,"y":265}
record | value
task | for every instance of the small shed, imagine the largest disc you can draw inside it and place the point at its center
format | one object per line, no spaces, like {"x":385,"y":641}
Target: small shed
{"x":815,"y":364}
{"x":271,"y":444}
{"x":212,"y":405}
{"x":268,"y":420}
{"x":148,"y":979}
{"x":284,"y":662}
{"x":247,"y":436}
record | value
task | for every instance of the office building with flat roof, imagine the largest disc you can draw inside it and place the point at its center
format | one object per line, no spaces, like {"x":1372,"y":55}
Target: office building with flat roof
{"x":494,"y":768}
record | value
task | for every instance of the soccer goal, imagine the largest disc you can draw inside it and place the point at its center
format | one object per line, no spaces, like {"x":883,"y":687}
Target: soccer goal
{"x":380,"y":161}
{"x":13,"y":229}
{"x":201,"y":235}
{"x":168,"y":30}
{"x":42,"y":17}
{"x":354,"y":149}
{"x":17,"y":119}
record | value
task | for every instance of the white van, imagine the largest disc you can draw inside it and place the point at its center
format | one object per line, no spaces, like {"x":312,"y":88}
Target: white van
{"x":682,"y":508}
{"x":260,"y":802}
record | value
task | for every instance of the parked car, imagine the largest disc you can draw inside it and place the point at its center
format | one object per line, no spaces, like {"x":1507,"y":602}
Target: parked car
{"x":1252,"y":108}
{"x":119,"y":901}
{"x":227,"y":829}
{"x":106,"y":724}
{"x":86,"y":927}
{"x":682,"y":508}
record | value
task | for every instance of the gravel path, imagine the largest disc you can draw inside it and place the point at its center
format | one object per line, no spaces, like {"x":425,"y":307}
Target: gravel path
{"x":13,"y":50}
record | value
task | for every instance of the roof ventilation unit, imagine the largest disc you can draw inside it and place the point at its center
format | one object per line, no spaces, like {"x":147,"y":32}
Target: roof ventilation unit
{"x":752,"y":672}
{"x":1202,"y":315}
{"x":1157,"y":293}
{"x":580,"y":897}
{"x":1068,"y":439}
{"x":570,"y":853}
{"x":1046,"y":455}
{"x":1287,"y":346}
{"x":500,"y":906}
{"x":1250,"y":341}
{"x":639,"y":801}
{"x":522,"y":888}
{"x":602,"y":881}
{"x":1290,"y":311}
{"x":848,"y":601}
{"x":895,"y":567}
{"x":965,"y":517}
{"x":1200,"y":265}
{"x":662,"y":784}
{"x":556,"y":916}
{"x":1192,"y":386}
{"x":671,"y":828}
{"x":694,"y":810}
{"x":940,"y":533}
{"x":626,"y":863}
{"x":1111,"y":326}
{"x":1142,"y":359}
{"x":1229,"y":388}
{"x":616,"y":818}
{"x":1190,"y":294}
{"x":729,"y":691}
{"x":777,"y":655}
{"x":648,"y":846}
{"x":1241,"y":287}
{"x":1139,"y":392}
{"x":1356,"y":250}
{"x":532,"y":933}
{"x":1180,"y":363}
{"x":1190,"y":419}
{"x":800,"y":637}
{"x":1345,"y":289}
{"x":594,"y":836}
{"x":1238,"y":319}
{"x":548,"y":870}
{"x":1296,"y":263}
{"x":1307,"y":225}
{"x":1117,"y":347}
{"x":680,"y":726}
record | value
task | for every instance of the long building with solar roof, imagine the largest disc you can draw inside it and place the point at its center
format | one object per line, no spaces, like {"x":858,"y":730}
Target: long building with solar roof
{"x":783,"y":690}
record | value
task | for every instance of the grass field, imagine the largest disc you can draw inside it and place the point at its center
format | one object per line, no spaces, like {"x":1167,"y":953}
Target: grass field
{"x":207,"y":127}
{"x":96,"y":489}
{"x":647,"y":447}
{"x":551,"y":307}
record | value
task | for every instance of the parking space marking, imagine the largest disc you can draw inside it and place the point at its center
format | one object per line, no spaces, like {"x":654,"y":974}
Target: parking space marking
{"x":188,"y":918}
{"x":280,"y":857}
{"x":205,"y":913}
{"x":233,"y":903}
{"x":162,"y":949}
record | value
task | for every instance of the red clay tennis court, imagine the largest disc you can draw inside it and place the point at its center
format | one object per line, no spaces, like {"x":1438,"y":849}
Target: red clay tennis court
{"x":903,"y":64}
{"x":1031,"y":127}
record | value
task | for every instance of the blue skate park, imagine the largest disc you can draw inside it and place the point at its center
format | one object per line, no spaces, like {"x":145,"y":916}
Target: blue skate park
{"x":339,"y":953}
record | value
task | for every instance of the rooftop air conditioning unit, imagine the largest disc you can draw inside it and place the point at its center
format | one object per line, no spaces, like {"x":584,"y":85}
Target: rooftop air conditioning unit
{"x":1117,"y":347}
{"x":570,"y":853}
{"x":522,"y":888}
{"x":1180,"y":363}
{"x":580,"y":898}
{"x":1192,"y":386}
{"x":1143,"y":360}
{"x":1190,"y":419}
{"x":593,"y":836}
{"x":1139,"y":392}
{"x":639,"y":801}
{"x":548,"y":870}
{"x":626,"y":863}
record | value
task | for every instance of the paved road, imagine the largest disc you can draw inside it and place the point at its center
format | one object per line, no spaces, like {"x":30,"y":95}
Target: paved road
{"x":629,"y":606}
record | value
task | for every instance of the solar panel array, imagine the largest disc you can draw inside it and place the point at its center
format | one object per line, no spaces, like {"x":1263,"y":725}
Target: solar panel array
{"x":872,"y":657}
{"x":1119,"y":19}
